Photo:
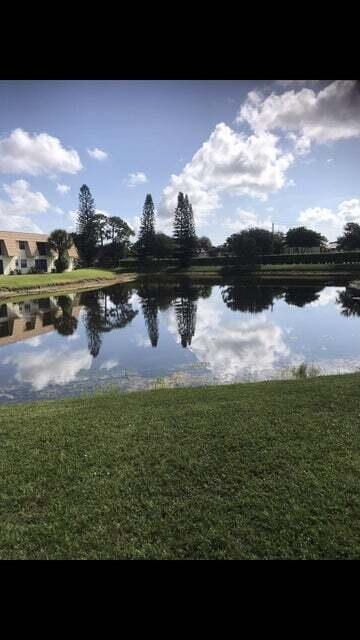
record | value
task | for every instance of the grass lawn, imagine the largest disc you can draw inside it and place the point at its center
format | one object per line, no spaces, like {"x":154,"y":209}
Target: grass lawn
{"x":9,"y":283}
{"x":265,"y":470}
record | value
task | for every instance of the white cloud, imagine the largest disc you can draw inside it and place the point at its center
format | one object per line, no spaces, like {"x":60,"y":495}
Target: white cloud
{"x":22,"y":202}
{"x":35,"y":154}
{"x":231,"y":163}
{"x":246,"y":219}
{"x":134,"y":179}
{"x":52,"y":366}
{"x":97,"y":154}
{"x":326,"y":296}
{"x":328,"y":222}
{"x":62,"y":188}
{"x":297,"y":83}
{"x":330,"y":114}
{"x":109,"y":364}
{"x":233,"y":350}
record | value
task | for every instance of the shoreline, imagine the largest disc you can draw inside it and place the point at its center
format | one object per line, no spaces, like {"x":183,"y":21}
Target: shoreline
{"x":72,"y":286}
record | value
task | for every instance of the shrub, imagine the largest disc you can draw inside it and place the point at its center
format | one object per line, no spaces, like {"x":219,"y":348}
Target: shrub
{"x":61,"y":264}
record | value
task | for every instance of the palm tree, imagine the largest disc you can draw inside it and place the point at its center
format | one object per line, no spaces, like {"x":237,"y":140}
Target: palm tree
{"x":61,"y":241}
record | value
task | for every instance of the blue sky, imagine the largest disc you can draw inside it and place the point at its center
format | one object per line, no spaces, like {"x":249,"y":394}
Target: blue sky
{"x":247,"y":152}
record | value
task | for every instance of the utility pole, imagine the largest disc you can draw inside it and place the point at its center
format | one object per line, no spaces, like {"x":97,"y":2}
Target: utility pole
{"x":272,"y":238}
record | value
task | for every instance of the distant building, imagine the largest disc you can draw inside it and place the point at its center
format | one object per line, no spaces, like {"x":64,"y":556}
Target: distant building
{"x":332,"y":246}
{"x":296,"y":250}
{"x":21,"y":251}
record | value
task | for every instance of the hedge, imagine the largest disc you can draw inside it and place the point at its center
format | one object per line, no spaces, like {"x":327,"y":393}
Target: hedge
{"x":342,"y":257}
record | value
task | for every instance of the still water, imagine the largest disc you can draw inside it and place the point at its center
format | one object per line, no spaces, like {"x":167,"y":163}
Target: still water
{"x":155,"y":334}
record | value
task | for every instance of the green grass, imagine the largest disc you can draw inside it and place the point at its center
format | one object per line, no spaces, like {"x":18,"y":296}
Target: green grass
{"x":332,"y":268}
{"x":9,"y":283}
{"x":265,"y":470}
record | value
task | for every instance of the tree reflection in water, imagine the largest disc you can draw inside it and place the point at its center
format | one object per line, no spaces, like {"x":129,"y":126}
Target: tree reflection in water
{"x":66,"y":323}
{"x":251,"y":298}
{"x":350,"y":302}
{"x":300,"y":296}
{"x":106,"y":310}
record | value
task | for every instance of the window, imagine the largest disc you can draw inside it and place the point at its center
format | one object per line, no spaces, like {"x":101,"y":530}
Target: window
{"x":27,"y":308}
{"x":22,"y":245}
{"x":43,"y":248}
{"x":41,"y":265}
{"x":24,"y":264}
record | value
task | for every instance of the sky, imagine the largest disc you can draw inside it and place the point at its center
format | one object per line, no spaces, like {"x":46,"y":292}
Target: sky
{"x":248,"y":153}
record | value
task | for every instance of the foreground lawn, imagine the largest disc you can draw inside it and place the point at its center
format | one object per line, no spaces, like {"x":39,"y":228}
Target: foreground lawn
{"x":9,"y":283}
{"x":266,"y":470}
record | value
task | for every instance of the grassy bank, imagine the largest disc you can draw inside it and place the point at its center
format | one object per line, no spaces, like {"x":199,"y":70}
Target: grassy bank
{"x":285,"y":270}
{"x":28,"y":283}
{"x":265,"y":470}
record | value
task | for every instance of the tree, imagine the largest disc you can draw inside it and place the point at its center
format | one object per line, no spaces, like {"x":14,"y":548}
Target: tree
{"x":204,"y":244}
{"x":303,"y":237}
{"x":60,"y":241}
{"x":120,"y":231}
{"x":147,"y":228}
{"x":164,"y":245}
{"x":351,"y":238}
{"x":102,"y":225}
{"x":243,"y":245}
{"x":184,"y":229}
{"x":87,"y":226}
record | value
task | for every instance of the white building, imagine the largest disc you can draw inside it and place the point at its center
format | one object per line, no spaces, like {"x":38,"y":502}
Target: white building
{"x":22,"y":251}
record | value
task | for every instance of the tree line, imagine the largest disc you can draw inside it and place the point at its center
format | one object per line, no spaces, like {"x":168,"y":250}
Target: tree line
{"x":104,"y":240}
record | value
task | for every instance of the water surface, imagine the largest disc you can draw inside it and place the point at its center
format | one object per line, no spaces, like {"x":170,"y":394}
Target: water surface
{"x":174,"y":333}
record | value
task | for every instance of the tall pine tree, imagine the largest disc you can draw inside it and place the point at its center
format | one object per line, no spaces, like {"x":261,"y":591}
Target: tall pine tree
{"x":87,"y":226}
{"x":184,"y":229}
{"x":147,"y":228}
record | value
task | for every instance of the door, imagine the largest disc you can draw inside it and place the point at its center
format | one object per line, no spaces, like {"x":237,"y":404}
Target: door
{"x":1,"y":267}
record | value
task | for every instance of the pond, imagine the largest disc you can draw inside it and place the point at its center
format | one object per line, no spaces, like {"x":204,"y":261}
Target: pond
{"x":153,"y":334}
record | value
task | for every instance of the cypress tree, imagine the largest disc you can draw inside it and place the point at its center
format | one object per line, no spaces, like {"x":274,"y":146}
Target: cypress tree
{"x":147,"y":228}
{"x":87,"y":226}
{"x":184,"y":228}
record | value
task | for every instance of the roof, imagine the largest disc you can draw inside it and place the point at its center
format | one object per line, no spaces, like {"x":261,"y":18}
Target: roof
{"x":8,"y":240}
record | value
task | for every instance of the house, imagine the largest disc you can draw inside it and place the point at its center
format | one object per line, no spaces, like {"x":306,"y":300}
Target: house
{"x":30,"y":318}
{"x":332,"y":246}
{"x":23,"y":251}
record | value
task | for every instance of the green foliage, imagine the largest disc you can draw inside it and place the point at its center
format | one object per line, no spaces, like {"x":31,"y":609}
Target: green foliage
{"x":102,"y":227}
{"x":203,"y":244}
{"x":164,"y":246}
{"x":350,"y":240}
{"x":61,"y":263}
{"x":243,"y":246}
{"x":61,"y":241}
{"x":87,"y":226}
{"x":303,"y":237}
{"x":145,"y":244}
{"x":184,"y":229}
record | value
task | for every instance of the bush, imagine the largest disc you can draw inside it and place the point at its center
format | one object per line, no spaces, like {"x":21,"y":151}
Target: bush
{"x":34,"y":270}
{"x":61,"y":264}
